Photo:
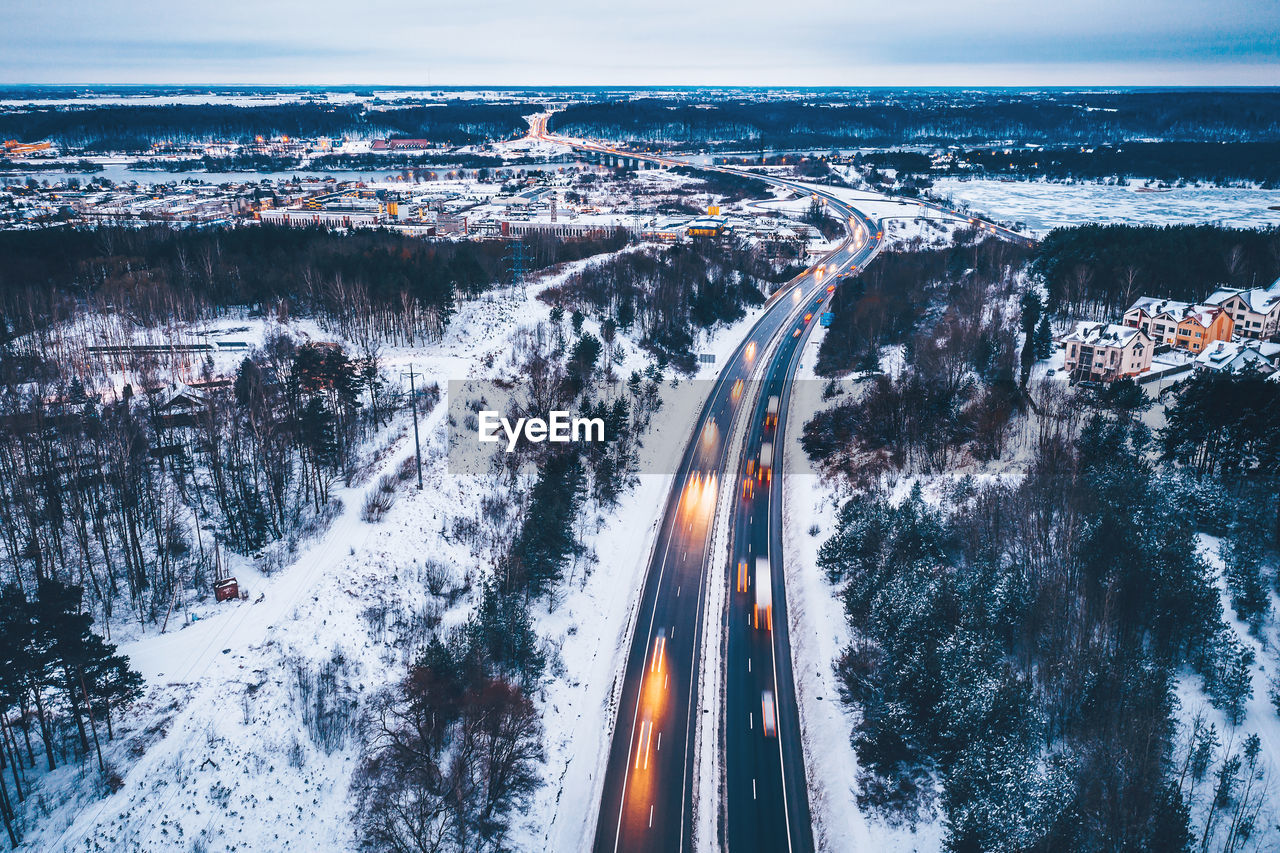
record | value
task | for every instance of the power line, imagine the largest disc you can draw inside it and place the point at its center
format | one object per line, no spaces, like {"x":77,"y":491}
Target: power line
{"x":518,"y":266}
{"x":413,"y":403}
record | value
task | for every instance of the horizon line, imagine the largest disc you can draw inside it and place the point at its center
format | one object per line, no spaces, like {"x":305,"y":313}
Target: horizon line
{"x":645,"y":86}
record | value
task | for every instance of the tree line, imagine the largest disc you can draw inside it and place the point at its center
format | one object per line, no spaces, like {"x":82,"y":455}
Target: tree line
{"x":667,"y":295}
{"x":956,"y":390}
{"x":1172,"y":162}
{"x":395,"y":287}
{"x":884,"y":304}
{"x":913,"y":117}
{"x":1095,"y":271}
{"x":137,"y":128}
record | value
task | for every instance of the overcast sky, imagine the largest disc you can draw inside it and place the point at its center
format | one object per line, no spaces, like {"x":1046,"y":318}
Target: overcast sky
{"x":698,"y":42}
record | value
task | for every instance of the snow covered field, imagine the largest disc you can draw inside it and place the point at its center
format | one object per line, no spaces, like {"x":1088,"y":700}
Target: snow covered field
{"x":218,"y":754}
{"x":1044,"y":206}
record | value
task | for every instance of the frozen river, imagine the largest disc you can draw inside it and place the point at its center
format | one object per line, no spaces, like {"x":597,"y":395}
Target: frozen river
{"x":1044,"y":206}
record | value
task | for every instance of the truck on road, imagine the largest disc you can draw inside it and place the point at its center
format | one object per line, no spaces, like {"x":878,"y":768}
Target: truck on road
{"x":764,"y":594}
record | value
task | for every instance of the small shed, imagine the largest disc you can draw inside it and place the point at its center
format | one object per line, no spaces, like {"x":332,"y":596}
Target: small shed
{"x":226,"y":589}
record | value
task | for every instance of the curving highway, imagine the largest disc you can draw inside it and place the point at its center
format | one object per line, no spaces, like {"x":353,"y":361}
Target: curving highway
{"x":647,"y":799}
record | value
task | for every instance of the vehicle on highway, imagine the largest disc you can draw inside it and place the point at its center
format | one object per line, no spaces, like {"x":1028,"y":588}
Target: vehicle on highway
{"x":766,"y":462}
{"x":764,"y":595}
{"x":768,"y":714}
{"x":771,"y":412}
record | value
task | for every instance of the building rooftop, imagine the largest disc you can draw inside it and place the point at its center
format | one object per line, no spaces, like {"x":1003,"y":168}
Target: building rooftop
{"x":1234,"y":356}
{"x":1102,"y":334}
{"x":1261,"y":300}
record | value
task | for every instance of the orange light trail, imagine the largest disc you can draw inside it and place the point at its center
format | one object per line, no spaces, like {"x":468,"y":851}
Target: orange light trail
{"x":642,"y":752}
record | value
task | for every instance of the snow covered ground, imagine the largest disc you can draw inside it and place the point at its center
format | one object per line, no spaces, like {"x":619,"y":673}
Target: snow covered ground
{"x":819,"y":632}
{"x":1044,"y":206}
{"x":218,"y":753}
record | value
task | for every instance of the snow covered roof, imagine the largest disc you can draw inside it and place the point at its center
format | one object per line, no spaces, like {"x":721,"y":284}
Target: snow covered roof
{"x":1260,"y":300}
{"x":183,"y":394}
{"x":1233,"y":356}
{"x":1202,"y":314}
{"x":1153,"y":305}
{"x":1103,"y":334}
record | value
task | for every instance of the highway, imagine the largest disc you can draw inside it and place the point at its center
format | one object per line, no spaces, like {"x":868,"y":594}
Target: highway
{"x":766,"y":794}
{"x":648,"y":790}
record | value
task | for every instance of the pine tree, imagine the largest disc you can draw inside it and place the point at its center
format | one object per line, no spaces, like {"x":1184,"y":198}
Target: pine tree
{"x":546,"y":540}
{"x":319,"y":441}
{"x":1042,"y":346}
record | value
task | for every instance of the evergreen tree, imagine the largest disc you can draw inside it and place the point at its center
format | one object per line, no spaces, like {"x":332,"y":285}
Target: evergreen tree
{"x":1043,"y":343}
{"x":546,"y":539}
{"x":501,"y":640}
{"x":1242,"y":558}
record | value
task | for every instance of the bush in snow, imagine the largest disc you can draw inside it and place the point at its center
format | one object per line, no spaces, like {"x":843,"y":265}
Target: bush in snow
{"x":379,"y":499}
{"x":325,"y":700}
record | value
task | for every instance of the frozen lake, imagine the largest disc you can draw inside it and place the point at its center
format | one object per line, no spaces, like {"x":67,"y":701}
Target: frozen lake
{"x":1044,"y":206}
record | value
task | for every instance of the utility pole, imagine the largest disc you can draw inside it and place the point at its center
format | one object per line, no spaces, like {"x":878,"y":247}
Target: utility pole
{"x":519,"y":266}
{"x":413,"y":403}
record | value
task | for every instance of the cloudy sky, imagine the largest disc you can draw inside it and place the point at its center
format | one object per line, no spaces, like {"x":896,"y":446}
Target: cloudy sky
{"x":695,"y":42}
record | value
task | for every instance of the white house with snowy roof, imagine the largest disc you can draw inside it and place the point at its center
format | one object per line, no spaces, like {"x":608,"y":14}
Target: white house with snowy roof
{"x":1256,"y":310}
{"x":1234,"y":356}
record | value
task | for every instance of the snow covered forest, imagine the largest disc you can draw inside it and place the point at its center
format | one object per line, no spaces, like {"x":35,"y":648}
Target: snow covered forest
{"x":915,"y":117}
{"x":1061,"y":605}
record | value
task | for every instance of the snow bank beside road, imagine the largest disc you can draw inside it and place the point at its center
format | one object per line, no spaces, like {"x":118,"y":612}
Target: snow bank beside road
{"x":819,"y":632}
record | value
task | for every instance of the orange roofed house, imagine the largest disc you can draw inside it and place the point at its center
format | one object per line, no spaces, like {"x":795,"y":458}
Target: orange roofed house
{"x":1105,"y":351}
{"x":1180,"y":324}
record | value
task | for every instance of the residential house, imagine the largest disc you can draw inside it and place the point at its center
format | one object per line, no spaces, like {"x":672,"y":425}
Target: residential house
{"x":1255,"y":310}
{"x":1106,"y":351}
{"x":1180,"y":324}
{"x":1234,"y":356}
